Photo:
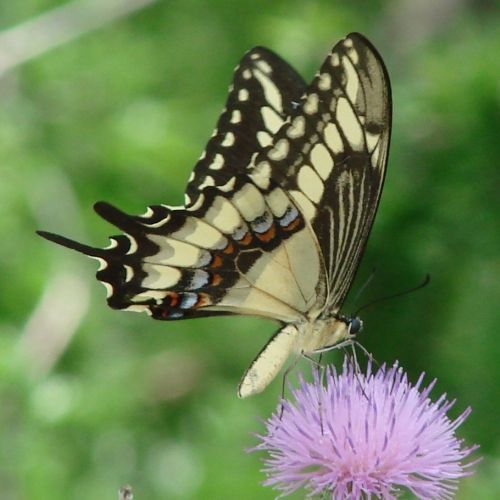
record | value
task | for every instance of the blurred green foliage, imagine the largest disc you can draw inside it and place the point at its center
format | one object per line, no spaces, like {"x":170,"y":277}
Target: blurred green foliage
{"x":122,"y":114}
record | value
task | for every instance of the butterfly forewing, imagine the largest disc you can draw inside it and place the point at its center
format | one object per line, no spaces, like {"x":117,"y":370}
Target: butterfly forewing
{"x":331,"y":157}
{"x":262,"y":95}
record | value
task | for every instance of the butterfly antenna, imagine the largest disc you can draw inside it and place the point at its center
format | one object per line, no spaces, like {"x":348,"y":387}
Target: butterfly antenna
{"x":367,"y":353}
{"x":393,"y":296}
{"x":365,"y":284}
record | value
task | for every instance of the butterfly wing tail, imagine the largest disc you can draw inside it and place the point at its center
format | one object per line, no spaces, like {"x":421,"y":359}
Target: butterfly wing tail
{"x":107,"y":212}
{"x":71,"y":244}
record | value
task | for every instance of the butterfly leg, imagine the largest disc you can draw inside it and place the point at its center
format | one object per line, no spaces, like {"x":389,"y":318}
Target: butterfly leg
{"x":356,"y":367}
{"x":321,"y":376}
{"x":288,"y":370}
{"x":367,"y":353}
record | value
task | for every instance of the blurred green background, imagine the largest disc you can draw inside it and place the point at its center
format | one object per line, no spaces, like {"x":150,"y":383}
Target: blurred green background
{"x":90,"y":398}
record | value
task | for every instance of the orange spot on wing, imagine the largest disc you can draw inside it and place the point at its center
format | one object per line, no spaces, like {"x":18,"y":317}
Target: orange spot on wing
{"x":246,"y":239}
{"x":229,"y":248}
{"x":174,"y":299}
{"x":268,"y":235}
{"x":203,"y":300}
{"x":293,"y":225}
{"x":216,"y":279}
{"x":217,"y":261}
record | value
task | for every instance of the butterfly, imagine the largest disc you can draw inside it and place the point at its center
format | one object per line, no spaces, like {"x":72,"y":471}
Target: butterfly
{"x":277,"y":211}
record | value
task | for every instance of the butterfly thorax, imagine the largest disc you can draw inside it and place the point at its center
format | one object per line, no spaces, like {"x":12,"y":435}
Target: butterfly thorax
{"x":324,"y":334}
{"x":304,"y":337}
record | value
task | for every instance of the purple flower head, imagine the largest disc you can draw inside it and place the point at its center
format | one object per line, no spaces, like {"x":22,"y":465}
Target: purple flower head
{"x":357,"y":436}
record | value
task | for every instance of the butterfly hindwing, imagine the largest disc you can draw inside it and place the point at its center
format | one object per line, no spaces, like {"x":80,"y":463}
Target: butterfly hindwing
{"x":219,"y":257}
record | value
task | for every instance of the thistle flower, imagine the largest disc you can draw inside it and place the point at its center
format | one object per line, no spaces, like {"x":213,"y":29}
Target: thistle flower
{"x":359,"y":435}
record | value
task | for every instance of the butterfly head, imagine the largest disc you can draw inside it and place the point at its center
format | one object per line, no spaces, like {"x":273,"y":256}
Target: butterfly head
{"x":354,"y":325}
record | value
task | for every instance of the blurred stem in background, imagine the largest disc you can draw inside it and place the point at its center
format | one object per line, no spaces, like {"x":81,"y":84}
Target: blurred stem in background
{"x":58,"y":26}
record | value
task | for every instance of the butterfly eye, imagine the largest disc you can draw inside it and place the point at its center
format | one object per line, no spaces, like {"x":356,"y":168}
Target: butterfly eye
{"x":355,"y":326}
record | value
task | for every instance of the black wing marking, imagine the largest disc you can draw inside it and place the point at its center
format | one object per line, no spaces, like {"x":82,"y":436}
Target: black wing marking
{"x":222,"y":256}
{"x":263,"y":94}
{"x":331,"y":157}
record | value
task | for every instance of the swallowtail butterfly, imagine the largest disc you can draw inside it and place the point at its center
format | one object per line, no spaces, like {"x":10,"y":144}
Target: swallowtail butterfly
{"x":277,"y":210}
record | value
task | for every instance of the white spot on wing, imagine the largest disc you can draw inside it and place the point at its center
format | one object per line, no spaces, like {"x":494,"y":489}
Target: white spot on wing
{"x":264,"y":138}
{"x":156,"y":295}
{"x":109,"y":289}
{"x":321,"y":160}
{"x":349,"y":124}
{"x":352,"y":86}
{"x":264,"y":66}
{"x":228,"y":186}
{"x":311,"y":104}
{"x":160,"y":276}
{"x":305,"y":204}
{"x":223,"y":215}
{"x":112,"y":244}
{"x":228,"y":140}
{"x":271,"y":92}
{"x":297,"y":128}
{"x":138,"y":308}
{"x":371,"y":140}
{"x":198,"y":203}
{"x":243,"y":95}
{"x":310,"y":183}
{"x":333,"y":139}
{"x":199,"y":233}
{"x":278,"y":202}
{"x":129,"y":273}
{"x":236,"y":116}
{"x":133,"y":245}
{"x":261,"y":174}
{"x":280,"y":150}
{"x":208,"y":181}
{"x":348,"y":43}
{"x":249,"y":201}
{"x":217,"y":162}
{"x":272,"y":120}
{"x":353,"y":55}
{"x":149,"y":212}
{"x":173,"y":252}
{"x":325,"y":81}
